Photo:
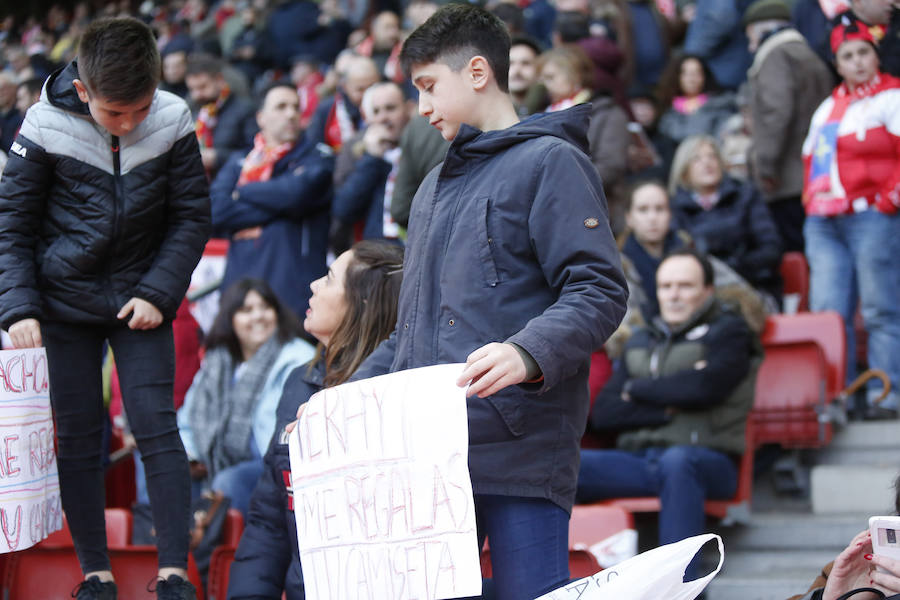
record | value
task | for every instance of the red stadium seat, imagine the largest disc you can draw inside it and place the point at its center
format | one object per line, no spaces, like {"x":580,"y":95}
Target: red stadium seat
{"x":118,"y":531}
{"x":219,"y":568}
{"x":25,"y":574}
{"x":795,"y":274}
{"x":233,"y":528}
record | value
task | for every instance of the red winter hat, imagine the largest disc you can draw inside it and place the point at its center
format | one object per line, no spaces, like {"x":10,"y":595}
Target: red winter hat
{"x":849,"y":30}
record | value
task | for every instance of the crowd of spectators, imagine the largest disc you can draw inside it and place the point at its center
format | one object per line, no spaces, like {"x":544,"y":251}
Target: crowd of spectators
{"x":700,"y":130}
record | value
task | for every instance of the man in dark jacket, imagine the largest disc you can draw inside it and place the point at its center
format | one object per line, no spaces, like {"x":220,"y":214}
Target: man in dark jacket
{"x":225,"y":122}
{"x":367,"y":168}
{"x":273,"y":203}
{"x":787,"y":83}
{"x":716,"y":35}
{"x":686,"y":382}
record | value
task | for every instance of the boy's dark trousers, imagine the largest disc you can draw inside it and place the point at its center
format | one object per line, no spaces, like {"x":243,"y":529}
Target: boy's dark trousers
{"x":145,"y":361}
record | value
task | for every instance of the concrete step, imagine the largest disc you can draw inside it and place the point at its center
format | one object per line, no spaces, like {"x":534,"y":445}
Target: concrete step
{"x":853,"y":489}
{"x":866,"y":434}
{"x":771,"y":532}
{"x":766,"y":575}
{"x":875,"y":443}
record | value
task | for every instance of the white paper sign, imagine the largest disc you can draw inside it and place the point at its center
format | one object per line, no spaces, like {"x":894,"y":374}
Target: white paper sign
{"x":30,"y":508}
{"x":382,"y":495}
{"x":651,"y":575}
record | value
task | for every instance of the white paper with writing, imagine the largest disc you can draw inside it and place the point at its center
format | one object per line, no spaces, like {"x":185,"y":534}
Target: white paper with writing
{"x":382,"y":495}
{"x":30,"y":507}
{"x":653,"y":575}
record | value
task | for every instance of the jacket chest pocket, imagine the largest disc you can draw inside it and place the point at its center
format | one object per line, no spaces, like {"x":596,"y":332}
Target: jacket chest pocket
{"x":486,"y":242}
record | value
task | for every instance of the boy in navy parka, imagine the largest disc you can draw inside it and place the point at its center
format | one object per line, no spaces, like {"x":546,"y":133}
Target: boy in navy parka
{"x":104,"y":212}
{"x":511,"y":268}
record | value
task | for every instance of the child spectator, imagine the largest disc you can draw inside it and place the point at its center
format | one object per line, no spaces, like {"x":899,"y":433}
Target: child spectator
{"x":532,"y":285}
{"x":104,"y":213}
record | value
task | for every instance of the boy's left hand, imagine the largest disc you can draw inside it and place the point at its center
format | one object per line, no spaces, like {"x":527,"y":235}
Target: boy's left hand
{"x":143,"y":314}
{"x":492,"y":368}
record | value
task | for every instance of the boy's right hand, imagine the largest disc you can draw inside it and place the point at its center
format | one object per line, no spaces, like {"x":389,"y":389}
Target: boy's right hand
{"x":26,"y":334}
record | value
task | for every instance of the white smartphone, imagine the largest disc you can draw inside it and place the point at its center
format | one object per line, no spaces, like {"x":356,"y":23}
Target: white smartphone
{"x":885,"y":536}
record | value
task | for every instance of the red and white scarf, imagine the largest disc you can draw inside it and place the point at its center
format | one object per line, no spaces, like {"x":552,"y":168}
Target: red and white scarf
{"x":208,"y":117}
{"x":261,"y":160}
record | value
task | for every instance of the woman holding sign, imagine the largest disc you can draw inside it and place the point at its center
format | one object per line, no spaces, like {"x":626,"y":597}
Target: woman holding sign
{"x":352,"y":309}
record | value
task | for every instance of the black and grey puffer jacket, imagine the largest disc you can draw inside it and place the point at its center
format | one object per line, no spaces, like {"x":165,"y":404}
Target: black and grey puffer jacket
{"x":88,"y":220}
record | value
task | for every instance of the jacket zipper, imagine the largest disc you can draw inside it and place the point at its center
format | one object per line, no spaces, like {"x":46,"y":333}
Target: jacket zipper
{"x":117,"y":178}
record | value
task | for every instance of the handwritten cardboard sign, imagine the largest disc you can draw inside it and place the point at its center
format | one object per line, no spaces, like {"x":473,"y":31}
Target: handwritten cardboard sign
{"x":29,"y":489}
{"x":382,"y":494}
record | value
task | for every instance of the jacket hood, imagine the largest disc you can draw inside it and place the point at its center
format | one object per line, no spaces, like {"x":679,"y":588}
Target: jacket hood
{"x":60,"y":91}
{"x":570,"y":125}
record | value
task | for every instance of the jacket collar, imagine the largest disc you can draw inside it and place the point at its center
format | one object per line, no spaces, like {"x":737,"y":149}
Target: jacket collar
{"x":705,"y":313}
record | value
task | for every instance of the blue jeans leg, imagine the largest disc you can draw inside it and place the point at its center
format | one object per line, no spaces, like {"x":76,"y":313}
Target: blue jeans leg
{"x":238,"y":481}
{"x":529,"y":539}
{"x":874,"y":240}
{"x":832,"y":276}
{"x":683,"y":477}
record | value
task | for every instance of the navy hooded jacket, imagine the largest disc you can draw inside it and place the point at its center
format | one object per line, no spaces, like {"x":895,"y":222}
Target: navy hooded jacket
{"x":292,"y":208}
{"x":509,"y":241}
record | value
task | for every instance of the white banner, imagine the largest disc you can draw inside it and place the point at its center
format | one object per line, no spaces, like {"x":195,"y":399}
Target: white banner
{"x":30,"y":508}
{"x":382,"y":495}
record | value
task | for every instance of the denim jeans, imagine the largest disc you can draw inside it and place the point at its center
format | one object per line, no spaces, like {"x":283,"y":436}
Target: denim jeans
{"x":146,"y":365}
{"x":529,"y":540}
{"x":238,"y":481}
{"x":683,"y":477}
{"x":854,"y":259}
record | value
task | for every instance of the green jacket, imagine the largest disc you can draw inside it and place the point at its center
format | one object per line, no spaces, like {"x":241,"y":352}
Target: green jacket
{"x":703,"y":373}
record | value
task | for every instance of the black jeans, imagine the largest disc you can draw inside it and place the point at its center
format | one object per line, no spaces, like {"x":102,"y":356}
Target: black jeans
{"x":146,"y":364}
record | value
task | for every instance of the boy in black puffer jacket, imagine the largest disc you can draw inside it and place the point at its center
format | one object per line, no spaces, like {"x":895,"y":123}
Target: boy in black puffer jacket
{"x":104,"y":212}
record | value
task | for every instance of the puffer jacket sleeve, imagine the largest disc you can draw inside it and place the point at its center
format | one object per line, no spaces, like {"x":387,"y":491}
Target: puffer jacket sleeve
{"x":580,"y":262}
{"x":765,"y":253}
{"x":188,"y":227}
{"x":23,"y":195}
{"x":266,"y":550}
{"x":264,"y":553}
{"x":727,"y":361}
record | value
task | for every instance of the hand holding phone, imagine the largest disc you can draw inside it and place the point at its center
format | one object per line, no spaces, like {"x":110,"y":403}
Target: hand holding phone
{"x":885,"y":533}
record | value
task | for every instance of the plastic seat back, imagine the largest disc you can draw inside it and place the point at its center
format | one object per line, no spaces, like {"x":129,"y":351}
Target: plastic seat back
{"x":825,"y":329}
{"x":118,"y":531}
{"x":795,"y":274}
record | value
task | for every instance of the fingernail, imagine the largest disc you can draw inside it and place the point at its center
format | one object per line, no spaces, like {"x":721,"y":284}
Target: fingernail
{"x":867,"y":556}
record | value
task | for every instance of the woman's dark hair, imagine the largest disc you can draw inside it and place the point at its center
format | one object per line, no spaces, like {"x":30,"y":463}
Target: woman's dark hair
{"x":371,"y":291}
{"x":455,"y":34}
{"x":641,"y":183}
{"x":222,"y":331}
{"x":670,"y":80}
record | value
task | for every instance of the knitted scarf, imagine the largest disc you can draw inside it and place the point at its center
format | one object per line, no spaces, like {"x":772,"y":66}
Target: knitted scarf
{"x":223,"y":407}
{"x":339,"y":126}
{"x":261,"y":160}
{"x":208,"y":117}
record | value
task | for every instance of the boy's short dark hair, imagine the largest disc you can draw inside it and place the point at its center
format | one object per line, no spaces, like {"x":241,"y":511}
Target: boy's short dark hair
{"x":705,"y":265}
{"x":118,"y":59}
{"x":456,"y":33}
{"x":201,"y":63}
